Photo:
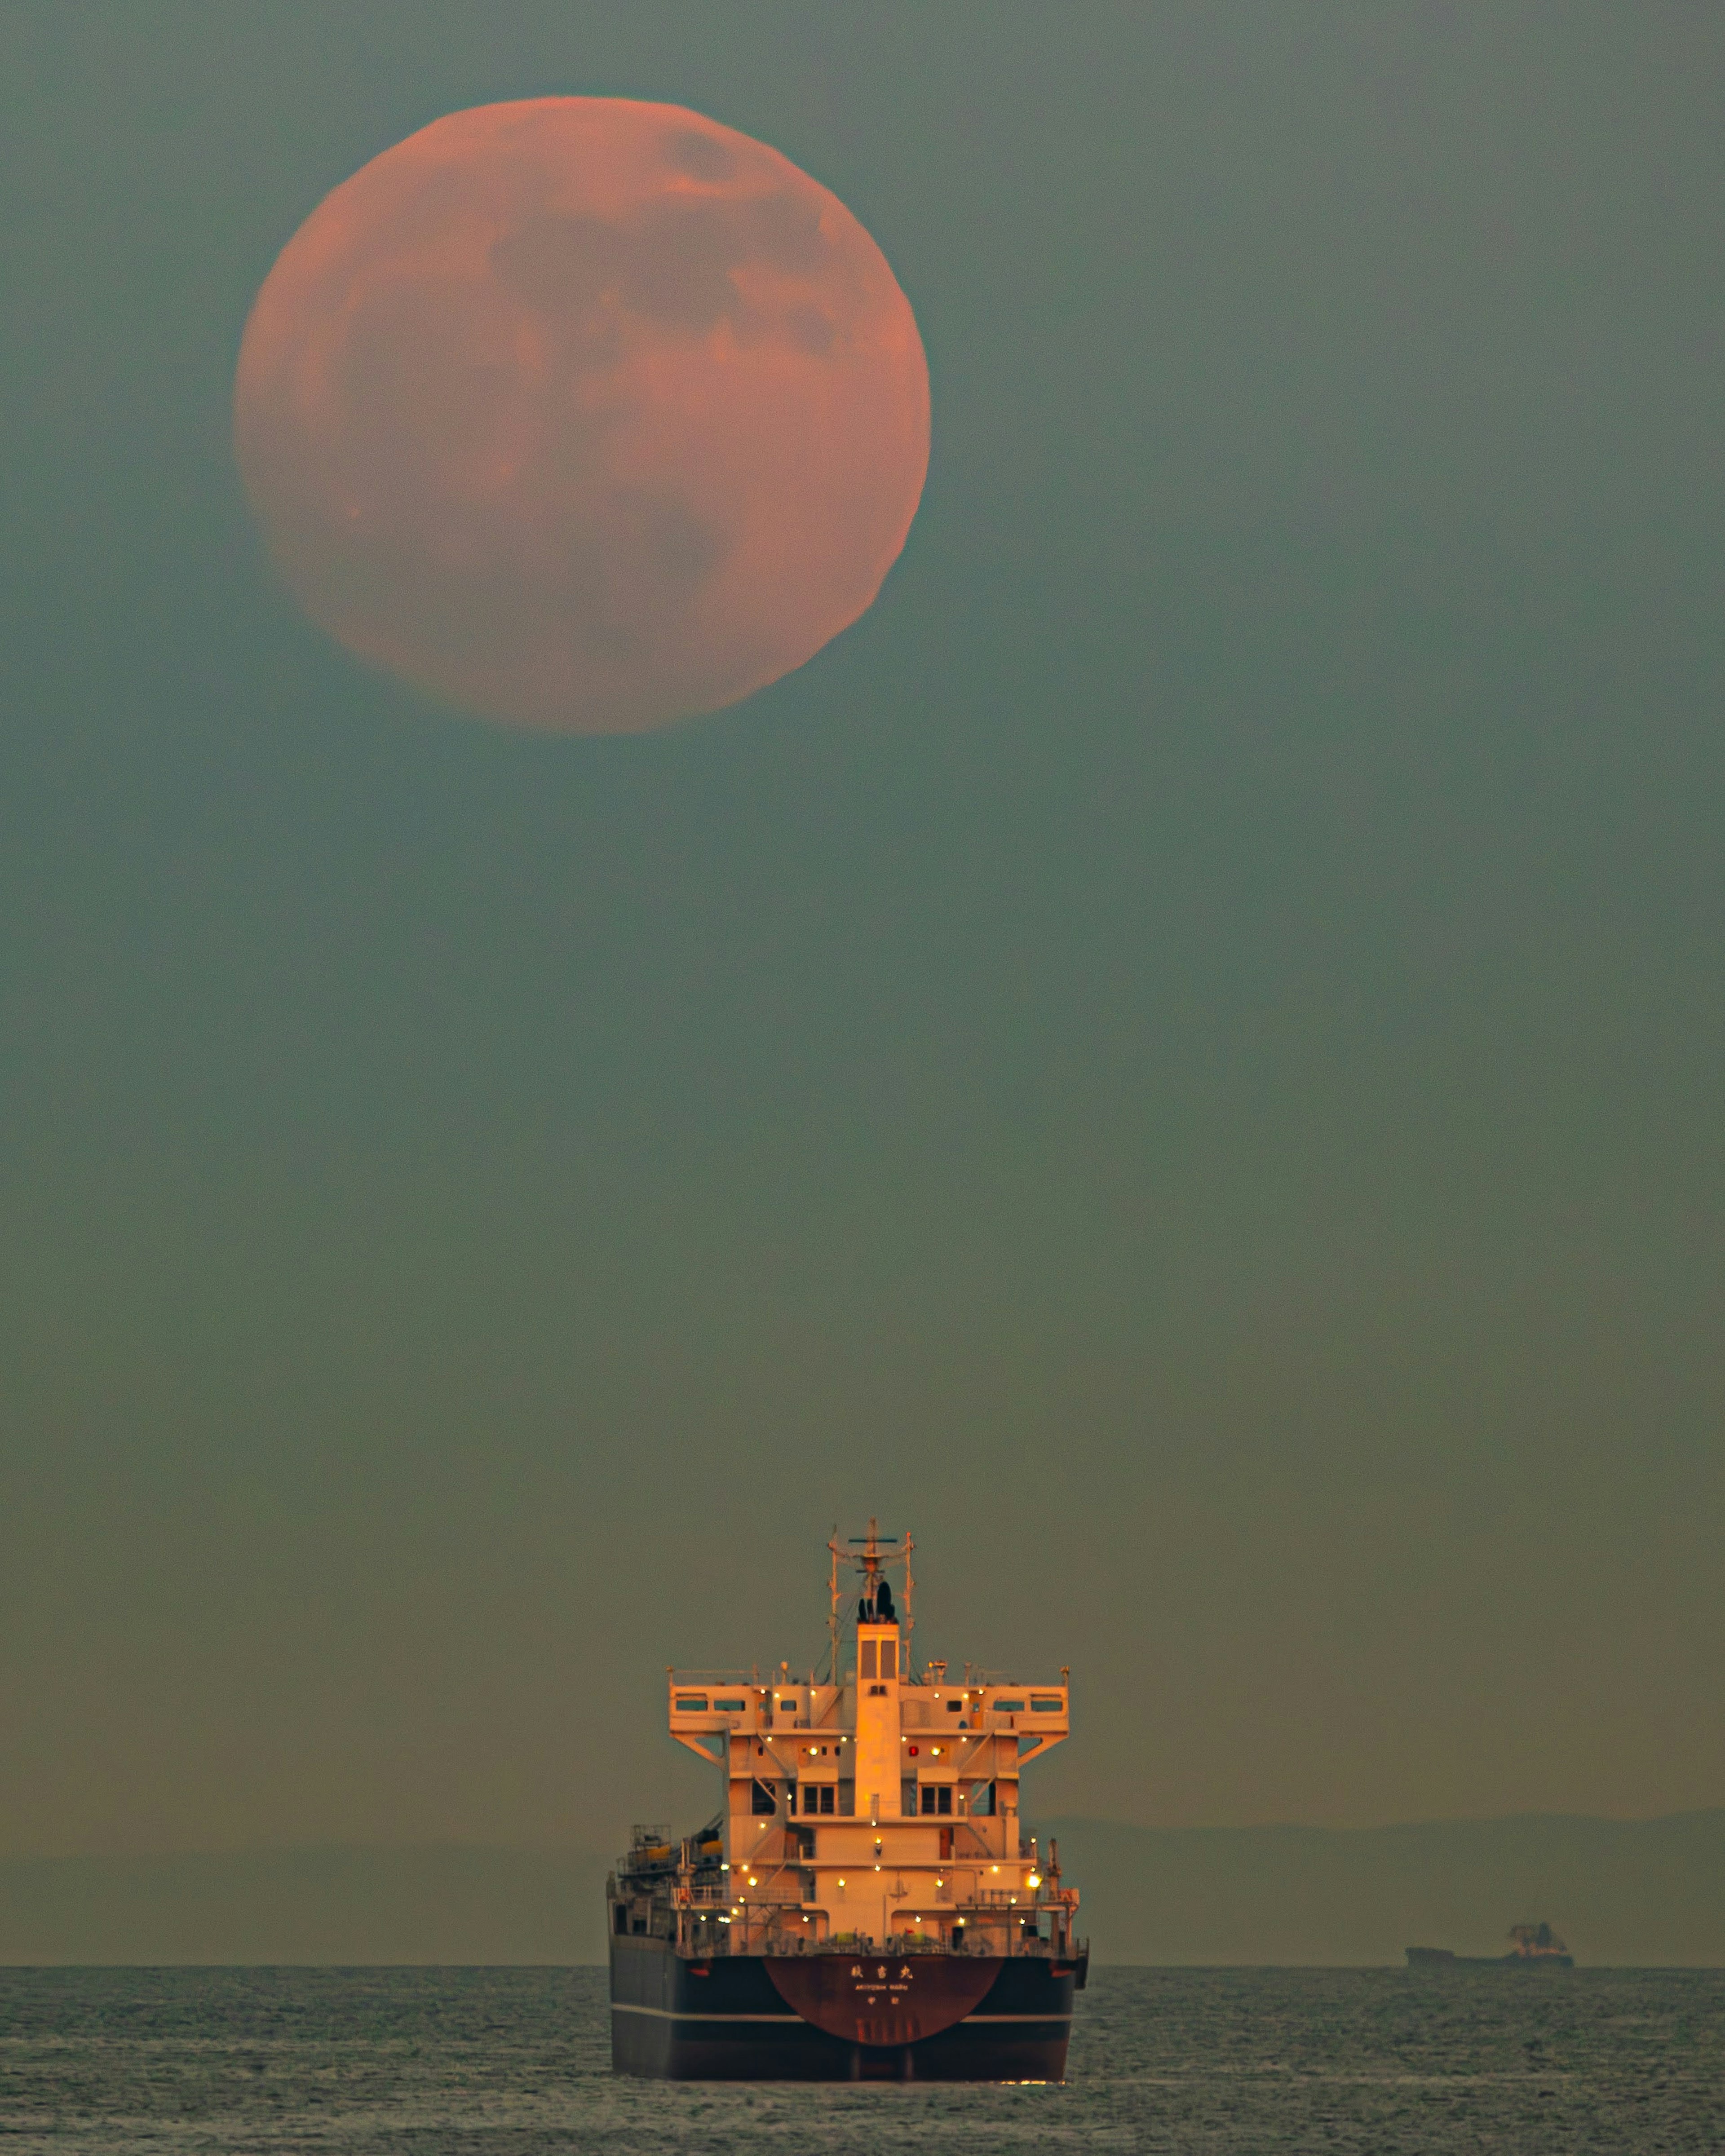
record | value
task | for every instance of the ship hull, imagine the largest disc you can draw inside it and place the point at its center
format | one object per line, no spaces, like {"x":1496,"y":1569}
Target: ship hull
{"x":726,"y":2020}
{"x":1440,"y":1958}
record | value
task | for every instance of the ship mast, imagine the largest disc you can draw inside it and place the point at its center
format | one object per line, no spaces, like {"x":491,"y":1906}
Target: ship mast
{"x":833,"y":1621}
{"x":864,"y":1553}
{"x":910,"y":1606}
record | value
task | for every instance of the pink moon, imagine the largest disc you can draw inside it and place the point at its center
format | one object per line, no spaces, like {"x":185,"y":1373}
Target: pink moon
{"x":583,"y":414}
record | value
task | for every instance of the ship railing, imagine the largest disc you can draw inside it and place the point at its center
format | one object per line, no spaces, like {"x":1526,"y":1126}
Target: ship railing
{"x":1012,"y":1943}
{"x":1008,"y":1897}
{"x":750,"y":1898}
{"x":902,"y":1945}
{"x":899,"y":1946}
{"x":978,"y":1680}
{"x":747,"y":1898}
{"x":738,"y":1938}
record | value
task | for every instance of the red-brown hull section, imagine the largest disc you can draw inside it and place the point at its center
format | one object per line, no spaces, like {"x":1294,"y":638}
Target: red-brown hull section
{"x":871,"y":2000}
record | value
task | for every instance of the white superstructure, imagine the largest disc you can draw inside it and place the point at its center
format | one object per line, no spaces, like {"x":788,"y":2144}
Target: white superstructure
{"x":879,"y":1802}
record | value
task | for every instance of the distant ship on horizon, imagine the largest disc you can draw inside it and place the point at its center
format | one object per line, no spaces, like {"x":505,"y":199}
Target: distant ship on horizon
{"x":1533,"y":1945}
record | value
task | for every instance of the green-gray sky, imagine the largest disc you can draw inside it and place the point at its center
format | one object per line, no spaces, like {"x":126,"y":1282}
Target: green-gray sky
{"x":1180,"y":1059}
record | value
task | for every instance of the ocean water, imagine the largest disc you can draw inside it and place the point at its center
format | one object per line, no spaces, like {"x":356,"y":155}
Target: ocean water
{"x":502,"y":2062}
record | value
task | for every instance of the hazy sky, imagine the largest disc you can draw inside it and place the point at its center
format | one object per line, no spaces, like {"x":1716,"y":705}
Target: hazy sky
{"x":1180,"y":1059}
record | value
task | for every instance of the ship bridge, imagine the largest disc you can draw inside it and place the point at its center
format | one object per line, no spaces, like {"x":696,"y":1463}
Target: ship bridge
{"x":873,"y":1800}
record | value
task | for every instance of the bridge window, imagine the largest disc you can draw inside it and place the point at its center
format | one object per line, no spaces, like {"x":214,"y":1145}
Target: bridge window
{"x":1046,"y":1706}
{"x":691,"y":1703}
{"x":1008,"y":1706}
{"x":729,"y":1706}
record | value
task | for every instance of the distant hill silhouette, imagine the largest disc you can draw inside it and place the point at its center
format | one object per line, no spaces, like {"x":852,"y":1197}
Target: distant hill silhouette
{"x":341,"y":1906}
{"x":1648,"y":1892}
{"x":1651,"y":1892}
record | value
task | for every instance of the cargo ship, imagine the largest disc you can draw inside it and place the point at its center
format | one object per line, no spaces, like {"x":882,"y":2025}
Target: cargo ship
{"x":865,"y":1904}
{"x":1532,"y":1946}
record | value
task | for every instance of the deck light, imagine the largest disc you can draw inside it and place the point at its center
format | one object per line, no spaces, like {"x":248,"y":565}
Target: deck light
{"x":1035,"y":1880}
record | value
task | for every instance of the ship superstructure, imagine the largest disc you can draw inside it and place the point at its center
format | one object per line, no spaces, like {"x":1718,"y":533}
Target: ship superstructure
{"x":866,"y":1900}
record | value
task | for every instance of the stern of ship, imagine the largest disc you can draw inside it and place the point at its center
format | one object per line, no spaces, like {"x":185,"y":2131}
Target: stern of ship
{"x":865,"y":1904}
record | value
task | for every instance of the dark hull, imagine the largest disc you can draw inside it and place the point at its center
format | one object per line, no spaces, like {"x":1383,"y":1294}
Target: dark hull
{"x":1441,"y":1958}
{"x":732,"y":2024}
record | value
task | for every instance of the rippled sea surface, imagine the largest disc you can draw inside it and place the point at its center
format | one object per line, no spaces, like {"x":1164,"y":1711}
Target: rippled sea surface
{"x":500,"y":2062}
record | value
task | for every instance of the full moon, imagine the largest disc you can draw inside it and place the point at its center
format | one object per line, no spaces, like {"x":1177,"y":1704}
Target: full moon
{"x":583,"y":414}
